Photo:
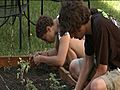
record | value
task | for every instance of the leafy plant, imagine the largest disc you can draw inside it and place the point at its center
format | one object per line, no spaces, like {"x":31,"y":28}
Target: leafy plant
{"x":24,"y":66}
{"x":23,"y":69}
{"x":54,"y":83}
{"x":30,"y":85}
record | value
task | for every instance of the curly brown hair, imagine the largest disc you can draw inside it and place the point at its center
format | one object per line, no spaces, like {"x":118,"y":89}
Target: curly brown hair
{"x":72,"y":16}
{"x":41,"y":25}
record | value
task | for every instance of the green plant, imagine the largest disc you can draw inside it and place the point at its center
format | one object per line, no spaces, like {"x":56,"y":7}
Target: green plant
{"x":24,"y":66}
{"x":29,"y":85}
{"x":54,"y":83}
{"x":23,"y":69}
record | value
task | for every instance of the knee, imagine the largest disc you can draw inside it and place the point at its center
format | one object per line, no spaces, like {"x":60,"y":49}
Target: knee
{"x":72,"y":67}
{"x":98,"y":84}
{"x":75,"y":66}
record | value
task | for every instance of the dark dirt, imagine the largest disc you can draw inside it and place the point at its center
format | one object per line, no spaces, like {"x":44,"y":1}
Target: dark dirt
{"x":37,"y":75}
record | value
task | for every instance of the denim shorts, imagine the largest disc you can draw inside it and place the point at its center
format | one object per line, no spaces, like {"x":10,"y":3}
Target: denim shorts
{"x":112,"y":79}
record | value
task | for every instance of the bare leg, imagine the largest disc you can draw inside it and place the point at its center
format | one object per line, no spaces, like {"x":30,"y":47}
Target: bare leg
{"x":75,"y":67}
{"x":98,"y":84}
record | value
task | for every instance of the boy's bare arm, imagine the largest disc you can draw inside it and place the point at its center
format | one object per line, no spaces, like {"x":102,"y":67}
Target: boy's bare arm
{"x":101,"y":69}
{"x":59,"y":59}
{"x":71,"y":55}
{"x":87,"y":65}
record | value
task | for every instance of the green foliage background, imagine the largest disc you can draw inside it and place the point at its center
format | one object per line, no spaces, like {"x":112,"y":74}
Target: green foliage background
{"x":9,"y":39}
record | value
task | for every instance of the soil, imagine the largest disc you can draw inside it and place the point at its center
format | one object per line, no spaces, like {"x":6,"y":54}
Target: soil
{"x":39,"y":76}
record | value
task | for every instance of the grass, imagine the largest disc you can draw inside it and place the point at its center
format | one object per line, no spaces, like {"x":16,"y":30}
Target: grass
{"x":109,"y":6}
{"x":9,"y":40}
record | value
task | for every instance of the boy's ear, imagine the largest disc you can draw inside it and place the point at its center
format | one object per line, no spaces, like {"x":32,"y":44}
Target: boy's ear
{"x":48,"y":28}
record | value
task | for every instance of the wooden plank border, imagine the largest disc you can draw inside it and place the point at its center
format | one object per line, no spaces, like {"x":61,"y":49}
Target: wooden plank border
{"x":65,"y":75}
{"x":11,"y":61}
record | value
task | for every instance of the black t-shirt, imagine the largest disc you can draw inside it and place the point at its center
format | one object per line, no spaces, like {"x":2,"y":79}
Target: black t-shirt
{"x":104,"y":42}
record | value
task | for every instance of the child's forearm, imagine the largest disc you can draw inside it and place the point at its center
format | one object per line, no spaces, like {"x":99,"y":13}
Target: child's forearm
{"x":52,"y":60}
{"x":86,"y":68}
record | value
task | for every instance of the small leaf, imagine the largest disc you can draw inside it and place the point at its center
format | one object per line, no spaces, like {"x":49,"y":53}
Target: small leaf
{"x":18,"y":75}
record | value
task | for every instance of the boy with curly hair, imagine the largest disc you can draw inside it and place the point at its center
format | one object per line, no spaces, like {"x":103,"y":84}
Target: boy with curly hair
{"x":102,"y":46}
{"x":65,"y":50}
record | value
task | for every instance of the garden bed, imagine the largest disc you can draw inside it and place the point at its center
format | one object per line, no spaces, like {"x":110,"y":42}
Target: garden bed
{"x":43,"y":76}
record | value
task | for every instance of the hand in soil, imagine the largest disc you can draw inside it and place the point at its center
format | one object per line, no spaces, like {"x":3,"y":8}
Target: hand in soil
{"x":37,"y":59}
{"x":32,"y":64}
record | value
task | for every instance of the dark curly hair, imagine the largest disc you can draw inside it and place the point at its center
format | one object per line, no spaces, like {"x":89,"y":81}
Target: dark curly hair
{"x":72,"y":16}
{"x":41,"y":25}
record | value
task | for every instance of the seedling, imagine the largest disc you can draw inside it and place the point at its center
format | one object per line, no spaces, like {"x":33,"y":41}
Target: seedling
{"x":24,"y":66}
{"x":29,"y":85}
{"x":54,"y":83}
{"x":23,"y":69}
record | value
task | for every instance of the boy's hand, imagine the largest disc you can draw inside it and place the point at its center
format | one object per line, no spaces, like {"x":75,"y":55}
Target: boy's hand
{"x":32,"y":64}
{"x":37,"y":59}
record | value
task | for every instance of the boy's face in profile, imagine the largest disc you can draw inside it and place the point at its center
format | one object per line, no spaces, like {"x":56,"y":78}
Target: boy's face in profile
{"x":49,"y":36}
{"x":79,"y":34}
